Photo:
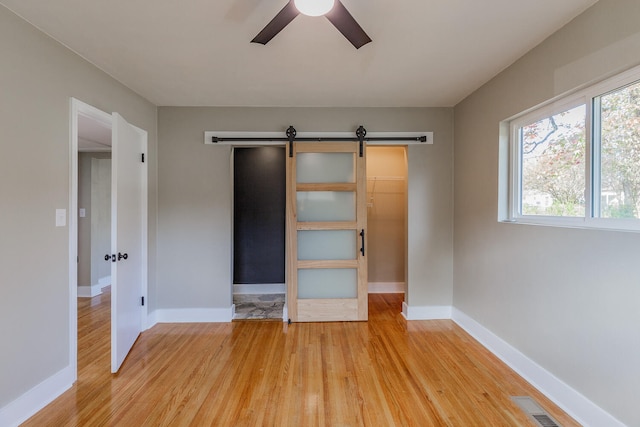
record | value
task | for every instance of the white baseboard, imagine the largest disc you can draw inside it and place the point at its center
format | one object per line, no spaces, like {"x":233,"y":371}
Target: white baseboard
{"x":259,"y":289}
{"x":429,"y":312}
{"x":151,"y":320}
{"x":386,"y":287}
{"x":104,"y":281}
{"x":89,"y":291}
{"x":285,"y":314}
{"x":571,"y":401}
{"x":193,"y":315}
{"x":37,"y":398}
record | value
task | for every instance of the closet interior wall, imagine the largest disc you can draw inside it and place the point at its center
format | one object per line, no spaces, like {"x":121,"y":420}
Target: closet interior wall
{"x":386,"y":217}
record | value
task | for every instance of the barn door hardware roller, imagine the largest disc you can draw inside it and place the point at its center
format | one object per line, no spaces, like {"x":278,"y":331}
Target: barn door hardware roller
{"x":291,"y":136}
{"x":361,"y":132}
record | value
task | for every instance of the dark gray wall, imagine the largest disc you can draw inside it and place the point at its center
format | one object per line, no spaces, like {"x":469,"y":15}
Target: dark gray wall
{"x":259,"y":208}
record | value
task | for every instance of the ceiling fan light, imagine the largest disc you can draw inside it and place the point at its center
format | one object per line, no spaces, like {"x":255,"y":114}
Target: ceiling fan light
{"x":314,"y":7}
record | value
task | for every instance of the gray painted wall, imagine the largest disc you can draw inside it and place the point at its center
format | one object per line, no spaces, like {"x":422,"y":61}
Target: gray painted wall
{"x":85,"y":276}
{"x":100,"y":220}
{"x":37,"y":78}
{"x":84,"y":224}
{"x":566,"y":298}
{"x":194,"y":198}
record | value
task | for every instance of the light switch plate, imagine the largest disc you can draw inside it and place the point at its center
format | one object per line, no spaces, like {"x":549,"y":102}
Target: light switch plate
{"x":82,"y":213}
{"x":61,"y":217}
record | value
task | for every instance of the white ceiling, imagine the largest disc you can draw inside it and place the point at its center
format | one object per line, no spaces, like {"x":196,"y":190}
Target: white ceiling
{"x":198,"y":52}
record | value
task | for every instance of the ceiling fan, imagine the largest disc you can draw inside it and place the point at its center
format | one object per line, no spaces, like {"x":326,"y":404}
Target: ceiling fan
{"x":333,"y":10}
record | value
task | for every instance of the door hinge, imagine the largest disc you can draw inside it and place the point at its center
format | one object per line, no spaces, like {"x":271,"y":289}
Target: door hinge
{"x":142,"y":157}
{"x":142,"y":298}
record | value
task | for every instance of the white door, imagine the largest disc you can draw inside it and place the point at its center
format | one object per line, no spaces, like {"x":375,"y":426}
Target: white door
{"x":128,"y":237}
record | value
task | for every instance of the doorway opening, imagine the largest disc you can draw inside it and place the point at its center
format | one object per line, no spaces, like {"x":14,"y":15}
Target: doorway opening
{"x":128,"y":225}
{"x":386,"y":205}
{"x":387,"y":175}
{"x":89,"y":216}
{"x":259,"y":200}
{"x":94,"y":244}
{"x":94,"y":206}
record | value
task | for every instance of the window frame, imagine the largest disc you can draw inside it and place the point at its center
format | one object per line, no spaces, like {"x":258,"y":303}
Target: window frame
{"x":590,"y":97}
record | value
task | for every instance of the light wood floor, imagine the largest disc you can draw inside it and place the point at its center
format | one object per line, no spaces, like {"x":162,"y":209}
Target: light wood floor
{"x":385,"y":372}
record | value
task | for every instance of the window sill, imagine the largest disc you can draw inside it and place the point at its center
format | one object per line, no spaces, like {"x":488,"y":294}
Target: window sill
{"x":603,"y":224}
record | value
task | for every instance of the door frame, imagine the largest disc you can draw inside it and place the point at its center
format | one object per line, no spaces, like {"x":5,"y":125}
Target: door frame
{"x":78,"y":108}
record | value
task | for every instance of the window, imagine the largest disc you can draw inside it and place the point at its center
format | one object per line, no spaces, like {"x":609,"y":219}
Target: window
{"x":553,"y":154}
{"x":576,"y":162}
{"x":617,"y":119}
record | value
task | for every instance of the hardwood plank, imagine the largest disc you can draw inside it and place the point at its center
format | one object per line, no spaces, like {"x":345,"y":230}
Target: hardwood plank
{"x":384,"y":372}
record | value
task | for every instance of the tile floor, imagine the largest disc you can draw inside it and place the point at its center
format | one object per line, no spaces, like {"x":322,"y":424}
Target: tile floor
{"x":267,"y":306}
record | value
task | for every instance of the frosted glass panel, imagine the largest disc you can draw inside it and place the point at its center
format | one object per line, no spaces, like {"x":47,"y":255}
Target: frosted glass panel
{"x":326,"y":206}
{"x":328,"y":283}
{"x":326,"y":244}
{"x":325,"y":167}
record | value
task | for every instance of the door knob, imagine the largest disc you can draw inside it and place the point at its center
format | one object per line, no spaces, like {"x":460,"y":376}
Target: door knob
{"x":122,"y":256}
{"x":108,"y":257}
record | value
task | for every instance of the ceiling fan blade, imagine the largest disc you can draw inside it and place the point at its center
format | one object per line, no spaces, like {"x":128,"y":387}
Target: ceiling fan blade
{"x":281,"y":20}
{"x":340,"y":17}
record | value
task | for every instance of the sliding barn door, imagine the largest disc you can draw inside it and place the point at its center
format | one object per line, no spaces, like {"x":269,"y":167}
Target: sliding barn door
{"x":326,"y":232}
